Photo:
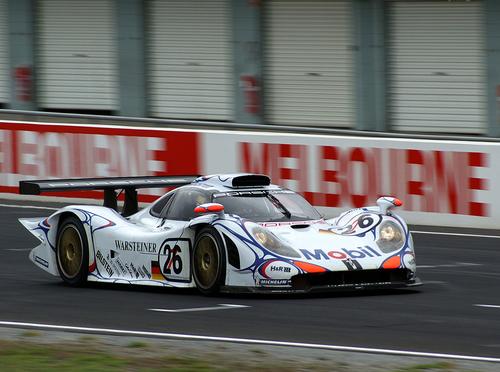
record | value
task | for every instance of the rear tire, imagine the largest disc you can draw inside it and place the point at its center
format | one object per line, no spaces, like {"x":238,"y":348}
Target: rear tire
{"x":72,"y":253}
{"x":209,"y":261}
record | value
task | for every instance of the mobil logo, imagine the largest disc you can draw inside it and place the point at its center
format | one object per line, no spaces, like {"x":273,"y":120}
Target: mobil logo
{"x":342,"y":254}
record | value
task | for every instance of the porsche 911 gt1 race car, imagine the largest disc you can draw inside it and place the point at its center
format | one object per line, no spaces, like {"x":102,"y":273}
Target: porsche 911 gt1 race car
{"x":234,"y":232}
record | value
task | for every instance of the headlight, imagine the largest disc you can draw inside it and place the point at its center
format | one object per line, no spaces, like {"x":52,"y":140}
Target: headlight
{"x":270,"y":241}
{"x":391,"y":237}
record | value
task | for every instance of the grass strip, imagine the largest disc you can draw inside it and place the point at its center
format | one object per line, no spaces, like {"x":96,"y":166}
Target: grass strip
{"x":90,"y":355}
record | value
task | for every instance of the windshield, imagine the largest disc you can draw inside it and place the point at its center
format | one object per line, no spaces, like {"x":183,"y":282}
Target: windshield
{"x":265,"y":206}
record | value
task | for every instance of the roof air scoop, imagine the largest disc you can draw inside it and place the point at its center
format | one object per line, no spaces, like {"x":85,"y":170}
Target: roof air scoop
{"x":235,"y":180}
{"x":250,"y":180}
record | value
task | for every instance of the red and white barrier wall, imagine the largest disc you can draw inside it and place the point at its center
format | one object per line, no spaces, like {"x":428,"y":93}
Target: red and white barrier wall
{"x":445,"y":183}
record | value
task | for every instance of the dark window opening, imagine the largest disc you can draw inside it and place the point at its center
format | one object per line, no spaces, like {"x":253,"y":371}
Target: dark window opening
{"x":185,"y":201}
{"x":160,"y":205}
{"x":80,"y":111}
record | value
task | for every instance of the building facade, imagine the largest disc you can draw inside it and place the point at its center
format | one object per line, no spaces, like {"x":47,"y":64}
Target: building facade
{"x":409,"y":66}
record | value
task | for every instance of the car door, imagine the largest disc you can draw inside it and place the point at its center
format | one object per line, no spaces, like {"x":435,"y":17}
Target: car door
{"x":140,"y":249}
{"x":175,"y":253}
{"x":157,"y":239}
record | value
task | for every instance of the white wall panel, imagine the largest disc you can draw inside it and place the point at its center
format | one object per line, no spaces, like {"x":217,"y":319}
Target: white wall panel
{"x":77,"y":55}
{"x":437,"y":66}
{"x":190,"y":59}
{"x":308,"y":63}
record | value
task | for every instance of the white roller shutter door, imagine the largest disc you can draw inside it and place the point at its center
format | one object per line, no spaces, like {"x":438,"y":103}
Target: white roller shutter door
{"x":308,"y":63}
{"x":190,"y":59}
{"x":4,"y":61}
{"x":437,"y":66}
{"x":77,"y":55}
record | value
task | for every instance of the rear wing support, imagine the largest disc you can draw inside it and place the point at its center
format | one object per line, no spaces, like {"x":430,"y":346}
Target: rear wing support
{"x":130,"y":204}
{"x":109,"y":185}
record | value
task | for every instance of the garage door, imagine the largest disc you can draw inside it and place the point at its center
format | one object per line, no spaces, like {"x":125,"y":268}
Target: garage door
{"x":308,"y":63}
{"x":4,"y":62}
{"x":77,"y":55}
{"x":437,"y":66}
{"x":190,"y":60}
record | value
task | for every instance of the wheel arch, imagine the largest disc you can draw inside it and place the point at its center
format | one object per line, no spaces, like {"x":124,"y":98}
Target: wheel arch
{"x":55,"y":221}
{"x":198,"y":228}
{"x":232,"y":254}
{"x":70,"y":220}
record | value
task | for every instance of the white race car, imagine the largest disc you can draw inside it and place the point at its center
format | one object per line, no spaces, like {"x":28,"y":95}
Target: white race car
{"x":234,"y":232}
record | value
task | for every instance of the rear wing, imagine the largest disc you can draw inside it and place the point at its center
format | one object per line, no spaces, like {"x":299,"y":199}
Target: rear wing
{"x":108,"y":185}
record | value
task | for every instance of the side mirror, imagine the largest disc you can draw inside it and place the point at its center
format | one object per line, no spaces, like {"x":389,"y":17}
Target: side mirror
{"x":385,"y":203}
{"x":210,"y":208}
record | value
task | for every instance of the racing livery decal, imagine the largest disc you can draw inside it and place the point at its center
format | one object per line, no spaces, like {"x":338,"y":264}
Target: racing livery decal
{"x":174,"y":260}
{"x":156,"y":271}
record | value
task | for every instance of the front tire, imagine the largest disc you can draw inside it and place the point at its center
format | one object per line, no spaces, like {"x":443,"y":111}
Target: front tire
{"x":209,"y":261}
{"x":72,"y":252}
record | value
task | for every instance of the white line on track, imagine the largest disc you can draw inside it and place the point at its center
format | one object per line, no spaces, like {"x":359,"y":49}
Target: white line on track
{"x":219,"y":307}
{"x":28,"y":207}
{"x":19,"y":249}
{"x":491,"y":306}
{"x":248,"y":341}
{"x":458,"y":264}
{"x":455,"y":234}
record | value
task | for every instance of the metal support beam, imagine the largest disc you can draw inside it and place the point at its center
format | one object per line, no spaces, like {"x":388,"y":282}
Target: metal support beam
{"x":20,"y":16}
{"x":247,"y":60}
{"x":369,"y":52}
{"x":492,"y":13}
{"x":131,"y":57}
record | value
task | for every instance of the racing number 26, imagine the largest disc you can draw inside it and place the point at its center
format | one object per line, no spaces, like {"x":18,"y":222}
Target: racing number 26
{"x":173,"y":261}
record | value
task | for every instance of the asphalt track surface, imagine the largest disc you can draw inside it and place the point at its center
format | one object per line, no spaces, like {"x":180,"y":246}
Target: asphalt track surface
{"x":459,"y":272}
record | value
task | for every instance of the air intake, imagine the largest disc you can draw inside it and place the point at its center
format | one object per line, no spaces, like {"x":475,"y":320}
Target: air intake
{"x":251,"y":180}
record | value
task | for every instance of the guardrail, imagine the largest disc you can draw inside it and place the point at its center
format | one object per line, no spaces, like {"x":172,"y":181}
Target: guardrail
{"x":51,"y":117}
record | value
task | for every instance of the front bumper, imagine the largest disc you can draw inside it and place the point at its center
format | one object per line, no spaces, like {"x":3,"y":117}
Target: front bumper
{"x":354,"y":279}
{"x":340,"y":281}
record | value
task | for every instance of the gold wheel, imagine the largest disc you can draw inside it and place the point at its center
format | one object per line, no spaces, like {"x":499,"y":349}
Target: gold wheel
{"x":206,"y":261}
{"x":70,"y":251}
